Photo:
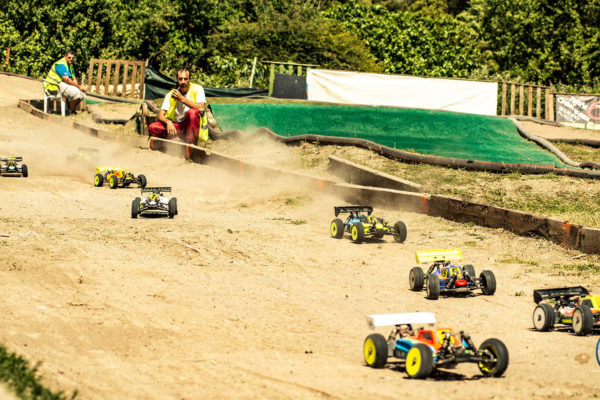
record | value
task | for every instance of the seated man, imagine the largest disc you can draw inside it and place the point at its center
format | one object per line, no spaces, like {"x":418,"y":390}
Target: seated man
{"x":182,"y":115}
{"x":61,"y":78}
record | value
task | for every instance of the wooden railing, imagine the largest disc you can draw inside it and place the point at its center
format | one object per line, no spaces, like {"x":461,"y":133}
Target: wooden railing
{"x":286,"y":68}
{"x":522,"y":96}
{"x":119,"y":78}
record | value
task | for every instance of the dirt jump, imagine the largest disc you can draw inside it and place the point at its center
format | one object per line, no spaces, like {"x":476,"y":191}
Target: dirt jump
{"x":244,"y":294}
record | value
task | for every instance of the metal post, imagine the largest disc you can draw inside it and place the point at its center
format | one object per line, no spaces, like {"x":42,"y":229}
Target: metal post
{"x":253,"y":70}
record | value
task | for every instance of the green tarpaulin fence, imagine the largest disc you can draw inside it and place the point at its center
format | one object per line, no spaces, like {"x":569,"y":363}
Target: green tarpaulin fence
{"x":431,"y":132}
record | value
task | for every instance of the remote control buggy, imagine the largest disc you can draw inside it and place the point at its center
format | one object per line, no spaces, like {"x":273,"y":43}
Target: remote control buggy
{"x":571,"y":307}
{"x":10,"y":167}
{"x":445,"y":278}
{"x":117,"y":177}
{"x":84,"y":155}
{"x":154,"y":203}
{"x":421,"y":352}
{"x":360,"y":224}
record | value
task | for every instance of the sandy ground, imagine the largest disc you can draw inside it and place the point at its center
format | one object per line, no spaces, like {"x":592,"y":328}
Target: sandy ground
{"x":244,"y":294}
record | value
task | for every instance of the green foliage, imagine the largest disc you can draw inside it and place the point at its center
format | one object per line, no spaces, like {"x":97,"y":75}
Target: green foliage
{"x":409,"y":43}
{"x":23,"y":379}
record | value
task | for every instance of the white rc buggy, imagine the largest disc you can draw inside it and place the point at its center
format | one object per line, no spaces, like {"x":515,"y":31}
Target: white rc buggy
{"x":155,"y":203}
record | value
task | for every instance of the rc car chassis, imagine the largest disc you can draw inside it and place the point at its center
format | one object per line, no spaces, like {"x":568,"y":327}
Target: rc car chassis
{"x":573,"y":306}
{"x":10,"y":167}
{"x":422,"y":351}
{"x":444,"y":278}
{"x":155,"y":203}
{"x":359,"y":225}
{"x":117,"y":177}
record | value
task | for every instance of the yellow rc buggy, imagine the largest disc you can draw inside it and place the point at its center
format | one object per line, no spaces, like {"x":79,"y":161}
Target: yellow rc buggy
{"x":117,"y":177}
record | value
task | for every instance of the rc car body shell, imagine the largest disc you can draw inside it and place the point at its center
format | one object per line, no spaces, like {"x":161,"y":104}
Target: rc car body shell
{"x":572,"y":307}
{"x":361,"y":224}
{"x":154,"y":202}
{"x":11,"y":167}
{"x":422,"y":351}
{"x":117,"y":177}
{"x":446,"y":278}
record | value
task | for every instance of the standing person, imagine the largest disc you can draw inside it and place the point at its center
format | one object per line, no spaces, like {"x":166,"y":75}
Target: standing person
{"x":183,"y":112}
{"x":61,"y":78}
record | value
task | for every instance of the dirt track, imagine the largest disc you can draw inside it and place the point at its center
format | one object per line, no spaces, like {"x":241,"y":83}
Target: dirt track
{"x":236,"y":297}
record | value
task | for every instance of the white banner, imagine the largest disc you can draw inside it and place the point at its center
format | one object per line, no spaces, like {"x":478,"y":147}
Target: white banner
{"x":402,"y":91}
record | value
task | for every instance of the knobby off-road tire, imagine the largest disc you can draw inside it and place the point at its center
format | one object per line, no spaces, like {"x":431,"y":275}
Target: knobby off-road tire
{"x":172,"y":207}
{"x":142,"y":181}
{"x":24,"y":171}
{"x":400,"y":232}
{"x":543,"y":317}
{"x":500,"y":352}
{"x":358,"y":232}
{"x":433,"y":287}
{"x":375,"y":351}
{"x":337,"y":228}
{"x":113,"y":182}
{"x":135,"y":207}
{"x":488,"y":282}
{"x":416,"y":279}
{"x":583,"y":320}
{"x":419,"y":362}
{"x":98,"y":180}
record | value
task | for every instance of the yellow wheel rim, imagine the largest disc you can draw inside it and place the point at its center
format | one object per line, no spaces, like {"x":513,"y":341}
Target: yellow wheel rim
{"x":96,"y":180}
{"x":354,"y":232}
{"x":370,"y":351}
{"x":333,"y":229}
{"x":488,"y":367}
{"x":413,"y":361}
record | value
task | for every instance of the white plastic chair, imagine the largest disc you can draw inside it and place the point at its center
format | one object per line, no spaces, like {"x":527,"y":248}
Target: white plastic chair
{"x":55,"y":96}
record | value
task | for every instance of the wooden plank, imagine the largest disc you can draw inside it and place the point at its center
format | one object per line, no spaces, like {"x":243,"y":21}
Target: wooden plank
{"x":107,"y":79}
{"x":290,"y":69}
{"x":299,"y":71}
{"x":538,"y":103}
{"x":271,"y":79}
{"x":142,"y":79}
{"x":116,"y":76}
{"x":125,"y":74}
{"x":529,"y":100}
{"x":281,"y":68}
{"x":133,"y":81}
{"x":98,"y":78}
{"x":90,"y":73}
{"x":549,"y":105}
{"x":521,"y":98}
{"x":503,"y":98}
{"x":512,"y":98}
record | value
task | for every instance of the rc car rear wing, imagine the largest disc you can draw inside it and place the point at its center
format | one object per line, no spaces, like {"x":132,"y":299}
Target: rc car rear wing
{"x":156,"y":189}
{"x":427,"y":256}
{"x":100,"y":170}
{"x":420,"y":318}
{"x":568,"y":292}
{"x":18,"y":158}
{"x":349,"y":209}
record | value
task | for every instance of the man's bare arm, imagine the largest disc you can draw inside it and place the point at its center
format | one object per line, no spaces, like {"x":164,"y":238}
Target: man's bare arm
{"x":73,"y":82}
{"x":179,"y":97}
{"x":161,"y":117}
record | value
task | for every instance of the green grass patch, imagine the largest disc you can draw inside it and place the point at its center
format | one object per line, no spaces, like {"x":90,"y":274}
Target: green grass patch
{"x":579,"y":269}
{"x":23,"y":379}
{"x":516,"y":260}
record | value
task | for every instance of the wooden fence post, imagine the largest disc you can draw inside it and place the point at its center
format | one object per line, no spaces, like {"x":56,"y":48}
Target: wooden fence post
{"x":512,"y":98}
{"x":529,"y":101}
{"x":503,"y":112}
{"x":538,"y":102}
{"x":521,"y":95}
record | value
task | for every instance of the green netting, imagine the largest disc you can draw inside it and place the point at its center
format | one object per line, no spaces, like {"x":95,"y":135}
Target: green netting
{"x":441,"y":133}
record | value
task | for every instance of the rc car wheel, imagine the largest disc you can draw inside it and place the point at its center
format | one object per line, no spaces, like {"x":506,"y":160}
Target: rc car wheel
{"x":24,"y":170}
{"x":469,"y":269}
{"x":113,"y":182}
{"x":496,"y":349}
{"x":135,"y":207}
{"x":358,"y":232}
{"x":543,"y":317}
{"x":172,"y":207}
{"x":488,"y":282}
{"x":337,"y":228}
{"x":583,"y":320}
{"x":98,"y":180}
{"x":375,"y":350}
{"x":141,"y":180}
{"x":433,"y":287}
{"x":400,"y":232}
{"x":419,"y":362}
{"x":416,"y":279}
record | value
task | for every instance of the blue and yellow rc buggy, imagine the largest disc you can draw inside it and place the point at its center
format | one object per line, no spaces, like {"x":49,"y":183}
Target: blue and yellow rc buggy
{"x":445,"y":278}
{"x":360,"y":224}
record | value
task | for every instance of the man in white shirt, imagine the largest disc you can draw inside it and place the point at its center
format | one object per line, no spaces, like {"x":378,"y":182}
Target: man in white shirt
{"x":183,"y":112}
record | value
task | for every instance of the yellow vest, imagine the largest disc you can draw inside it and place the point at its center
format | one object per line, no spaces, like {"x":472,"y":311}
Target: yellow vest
{"x":170,"y":114}
{"x":54,"y":77}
